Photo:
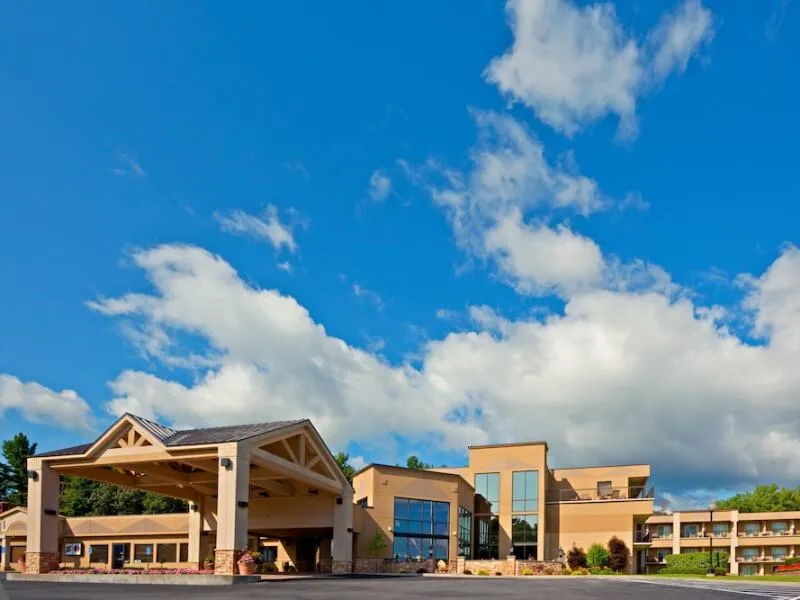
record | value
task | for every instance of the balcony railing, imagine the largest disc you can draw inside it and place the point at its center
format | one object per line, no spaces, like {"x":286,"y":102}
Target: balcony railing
{"x":764,"y":558}
{"x":642,"y":537}
{"x":601,"y":494}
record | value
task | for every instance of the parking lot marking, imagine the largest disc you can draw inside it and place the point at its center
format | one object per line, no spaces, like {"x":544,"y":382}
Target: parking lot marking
{"x":774,"y":593}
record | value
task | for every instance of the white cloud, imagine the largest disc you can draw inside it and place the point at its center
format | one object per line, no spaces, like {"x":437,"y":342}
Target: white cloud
{"x":371,"y":296}
{"x":267,"y":228}
{"x":539,"y":258}
{"x":618,"y":377}
{"x":380,"y":186}
{"x":358,"y":462}
{"x":127,"y":165}
{"x":38,"y":404}
{"x":502,"y":207}
{"x":574,"y":65}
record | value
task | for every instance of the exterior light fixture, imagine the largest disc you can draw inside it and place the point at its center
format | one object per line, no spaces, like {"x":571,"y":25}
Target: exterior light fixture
{"x":339,"y":500}
{"x":193,"y":507}
{"x":225,"y":463}
{"x":313,"y":492}
{"x":242,"y":503}
{"x":33,"y":475}
{"x":50,"y":511}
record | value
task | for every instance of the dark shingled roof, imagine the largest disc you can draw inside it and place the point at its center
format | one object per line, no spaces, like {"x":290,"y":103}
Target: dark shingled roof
{"x":79,"y":449}
{"x":191,"y":437}
{"x":231,"y":433}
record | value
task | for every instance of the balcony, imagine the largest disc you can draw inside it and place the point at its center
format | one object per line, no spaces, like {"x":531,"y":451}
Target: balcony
{"x":760,"y":559}
{"x":601,"y":494}
{"x":642,"y":537}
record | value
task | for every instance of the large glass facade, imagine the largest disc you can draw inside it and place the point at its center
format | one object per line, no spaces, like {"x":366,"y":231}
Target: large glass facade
{"x":487,"y":533}
{"x":525,"y":491}
{"x":487,"y":485}
{"x":524,"y":536}
{"x":421,"y":529}
{"x":464,"y":532}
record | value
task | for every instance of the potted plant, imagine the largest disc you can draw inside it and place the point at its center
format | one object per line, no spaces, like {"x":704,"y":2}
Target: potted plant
{"x":208,"y":563}
{"x":247,"y":564}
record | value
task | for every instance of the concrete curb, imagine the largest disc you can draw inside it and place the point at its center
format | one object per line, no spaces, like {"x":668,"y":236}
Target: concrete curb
{"x":138,"y":579}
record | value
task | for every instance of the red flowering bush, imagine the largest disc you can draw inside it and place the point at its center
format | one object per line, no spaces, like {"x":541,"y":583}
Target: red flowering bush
{"x":132,"y":572}
{"x":788,"y":568}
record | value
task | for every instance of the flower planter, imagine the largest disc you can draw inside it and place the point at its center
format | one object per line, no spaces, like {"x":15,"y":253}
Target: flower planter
{"x":247,"y":568}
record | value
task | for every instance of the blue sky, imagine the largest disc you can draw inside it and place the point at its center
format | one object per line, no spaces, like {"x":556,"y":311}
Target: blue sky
{"x":552,"y":219}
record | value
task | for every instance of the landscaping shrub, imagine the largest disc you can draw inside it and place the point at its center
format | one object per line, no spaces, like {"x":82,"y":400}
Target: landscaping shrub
{"x":483,"y":572}
{"x":795,"y":560}
{"x":527,"y":572}
{"x":420,"y":571}
{"x":601,"y":571}
{"x":617,"y":554}
{"x":551,"y":570}
{"x":576,"y":558}
{"x":788,"y":567}
{"x":597,"y":556}
{"x":694,"y":563}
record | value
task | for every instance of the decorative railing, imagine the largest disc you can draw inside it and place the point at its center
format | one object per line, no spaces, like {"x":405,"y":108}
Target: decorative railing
{"x":601,"y":494}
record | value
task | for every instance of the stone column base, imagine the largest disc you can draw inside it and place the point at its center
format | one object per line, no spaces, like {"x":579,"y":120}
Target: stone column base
{"x":225,"y":561}
{"x":341,"y":566}
{"x":37,"y":563}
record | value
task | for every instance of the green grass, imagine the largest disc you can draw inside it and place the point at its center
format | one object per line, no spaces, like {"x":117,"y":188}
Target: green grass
{"x":786,"y":578}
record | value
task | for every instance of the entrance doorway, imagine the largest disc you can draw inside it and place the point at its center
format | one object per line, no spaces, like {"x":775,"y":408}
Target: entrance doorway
{"x":120,"y":554}
{"x":307,"y":554}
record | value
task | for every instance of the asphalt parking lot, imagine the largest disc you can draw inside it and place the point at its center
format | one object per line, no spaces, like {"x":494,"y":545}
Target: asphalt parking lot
{"x":535,"y":588}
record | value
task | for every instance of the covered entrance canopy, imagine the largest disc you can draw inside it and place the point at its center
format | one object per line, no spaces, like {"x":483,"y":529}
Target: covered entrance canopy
{"x":264,"y":476}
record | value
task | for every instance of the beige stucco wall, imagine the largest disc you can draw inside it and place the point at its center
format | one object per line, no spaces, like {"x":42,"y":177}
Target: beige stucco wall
{"x":582,"y":524}
{"x":505,"y":460}
{"x":389,"y":483}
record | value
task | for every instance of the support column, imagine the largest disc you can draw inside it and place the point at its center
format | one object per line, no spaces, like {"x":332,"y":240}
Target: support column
{"x":232,"y":506}
{"x":195,"y":531}
{"x":42,"y":554}
{"x":676,"y":533}
{"x":734,"y":533}
{"x":342,"y":547}
{"x":5,"y":554}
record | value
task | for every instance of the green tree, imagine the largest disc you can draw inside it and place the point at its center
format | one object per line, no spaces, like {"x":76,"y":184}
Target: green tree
{"x":76,"y":493}
{"x":617,"y":555}
{"x":15,"y":472}
{"x":764,"y":498}
{"x":156,"y":504}
{"x":597,"y":556}
{"x":377,"y":545}
{"x":343,"y":460}
{"x":412,"y":462}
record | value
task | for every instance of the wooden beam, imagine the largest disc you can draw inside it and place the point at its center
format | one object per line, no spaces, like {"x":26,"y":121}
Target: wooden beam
{"x":313,"y":461}
{"x":289,"y":450}
{"x":128,"y":481}
{"x":294,"y":471}
{"x":301,"y":458}
{"x":126,"y":456}
{"x":132,"y":438}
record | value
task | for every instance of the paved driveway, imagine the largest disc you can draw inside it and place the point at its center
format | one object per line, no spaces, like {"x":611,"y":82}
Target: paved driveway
{"x":404,"y":588}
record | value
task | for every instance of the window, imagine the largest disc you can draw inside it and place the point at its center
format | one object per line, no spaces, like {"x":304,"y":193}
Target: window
{"x":689,"y":550}
{"x":525,"y":491}
{"x":184,"y":553}
{"x":779,"y":528}
{"x":750,"y":554}
{"x":604,"y":489}
{"x":421,"y":528}
{"x":778,"y":552}
{"x":748,"y":570}
{"x":166,"y":553}
{"x":98,"y":554}
{"x":143,"y":553}
{"x":487,"y":485}
{"x":664,"y":531}
{"x":464,"y":532}
{"x":270,"y":553}
{"x":487,"y":532}
{"x":752,"y":528}
{"x":524,"y":536}
{"x":720,"y":530}
{"x":690,"y":531}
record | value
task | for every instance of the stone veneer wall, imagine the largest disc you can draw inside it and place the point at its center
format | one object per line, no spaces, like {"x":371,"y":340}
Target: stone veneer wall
{"x":341,"y":566}
{"x":389,"y":565}
{"x":225,"y":561}
{"x":508,"y":566}
{"x":41,"y":562}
